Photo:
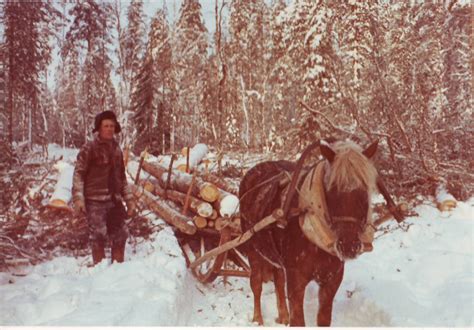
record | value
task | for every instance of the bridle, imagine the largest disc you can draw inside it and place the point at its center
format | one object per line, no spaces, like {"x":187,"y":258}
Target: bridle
{"x":335,"y":220}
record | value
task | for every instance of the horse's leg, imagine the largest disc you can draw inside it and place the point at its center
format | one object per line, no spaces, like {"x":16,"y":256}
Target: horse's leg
{"x":256,"y":280}
{"x":296,"y":285}
{"x":327,"y":292}
{"x":280,"y":284}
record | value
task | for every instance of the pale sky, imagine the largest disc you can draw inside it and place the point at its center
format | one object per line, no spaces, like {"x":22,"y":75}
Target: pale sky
{"x":207,"y":10}
{"x":150,"y":7}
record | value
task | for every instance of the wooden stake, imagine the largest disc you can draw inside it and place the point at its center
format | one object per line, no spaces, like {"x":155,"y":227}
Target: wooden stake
{"x":140,"y":164}
{"x":188,"y":195}
{"x":170,"y":168}
{"x":187,"y":159}
{"x":126,"y":155}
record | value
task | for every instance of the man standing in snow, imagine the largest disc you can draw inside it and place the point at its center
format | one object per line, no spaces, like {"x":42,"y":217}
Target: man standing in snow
{"x":100,"y":187}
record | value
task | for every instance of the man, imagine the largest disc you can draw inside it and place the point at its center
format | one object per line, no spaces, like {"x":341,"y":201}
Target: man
{"x":100,"y":187}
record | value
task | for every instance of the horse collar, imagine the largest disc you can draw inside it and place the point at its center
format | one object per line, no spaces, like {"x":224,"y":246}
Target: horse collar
{"x":315,"y":223}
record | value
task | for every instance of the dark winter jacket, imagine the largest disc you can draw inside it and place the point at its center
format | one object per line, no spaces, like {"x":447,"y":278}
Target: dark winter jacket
{"x":93,"y":179}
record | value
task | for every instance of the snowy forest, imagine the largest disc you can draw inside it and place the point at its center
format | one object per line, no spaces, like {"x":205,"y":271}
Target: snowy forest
{"x":239,"y":82}
{"x":273,"y":77}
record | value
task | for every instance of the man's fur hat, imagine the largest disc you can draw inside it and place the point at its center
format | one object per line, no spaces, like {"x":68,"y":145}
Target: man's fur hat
{"x":106,"y":115}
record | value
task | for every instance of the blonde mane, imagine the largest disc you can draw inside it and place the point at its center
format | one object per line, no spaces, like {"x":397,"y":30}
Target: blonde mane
{"x":350,"y":169}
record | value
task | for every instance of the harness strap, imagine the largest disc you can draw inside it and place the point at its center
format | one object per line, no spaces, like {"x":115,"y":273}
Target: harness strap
{"x":315,"y":223}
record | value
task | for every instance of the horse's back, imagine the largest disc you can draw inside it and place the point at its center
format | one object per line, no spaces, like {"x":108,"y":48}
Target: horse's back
{"x":260,"y":194}
{"x":259,"y":188}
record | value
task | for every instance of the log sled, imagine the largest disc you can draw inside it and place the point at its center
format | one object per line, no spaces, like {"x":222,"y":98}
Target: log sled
{"x":202,"y":207}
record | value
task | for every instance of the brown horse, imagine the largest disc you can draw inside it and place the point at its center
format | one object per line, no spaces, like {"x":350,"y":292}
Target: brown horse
{"x":293,"y":256}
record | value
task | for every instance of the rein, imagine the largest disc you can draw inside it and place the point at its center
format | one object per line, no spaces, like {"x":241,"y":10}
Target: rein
{"x":294,"y":180}
{"x":271,"y":179}
{"x":346,"y":219}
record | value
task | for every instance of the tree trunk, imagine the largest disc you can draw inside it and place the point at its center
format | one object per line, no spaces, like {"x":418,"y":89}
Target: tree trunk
{"x":170,"y":215}
{"x":196,"y":155}
{"x":196,"y":205}
{"x":220,"y":183}
{"x":182,"y":181}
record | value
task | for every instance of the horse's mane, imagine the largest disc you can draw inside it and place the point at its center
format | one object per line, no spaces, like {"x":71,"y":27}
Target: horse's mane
{"x":350,"y":168}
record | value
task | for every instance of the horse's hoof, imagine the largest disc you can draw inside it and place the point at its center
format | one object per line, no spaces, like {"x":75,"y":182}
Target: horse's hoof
{"x":258,"y":320}
{"x":283,"y":320}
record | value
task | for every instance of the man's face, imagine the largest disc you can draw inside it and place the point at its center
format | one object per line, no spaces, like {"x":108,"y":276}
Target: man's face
{"x":107,"y":129}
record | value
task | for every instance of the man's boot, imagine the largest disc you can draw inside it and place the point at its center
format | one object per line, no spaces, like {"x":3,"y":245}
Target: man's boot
{"x":98,"y":251}
{"x":118,"y":252}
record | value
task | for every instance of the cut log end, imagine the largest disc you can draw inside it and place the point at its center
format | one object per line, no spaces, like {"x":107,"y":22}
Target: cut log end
{"x":59,"y":204}
{"x":184,"y":151}
{"x":209,"y":192}
{"x":181,"y":168}
{"x":205,"y":210}
{"x":229,"y":205}
{"x":149,"y":186}
{"x":200,"y":222}
{"x":446,"y":205}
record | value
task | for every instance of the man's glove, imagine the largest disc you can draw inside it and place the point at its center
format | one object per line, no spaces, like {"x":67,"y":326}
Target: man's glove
{"x":131,"y":207}
{"x":79,"y":207}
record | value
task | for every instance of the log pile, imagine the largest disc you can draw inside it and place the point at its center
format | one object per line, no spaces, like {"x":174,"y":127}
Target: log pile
{"x":36,"y":218}
{"x":188,"y":202}
{"x":444,"y":200}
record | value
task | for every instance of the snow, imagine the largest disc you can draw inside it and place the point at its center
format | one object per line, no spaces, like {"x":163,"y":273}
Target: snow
{"x":55,"y":152}
{"x":145,"y":290}
{"x":442,"y":194}
{"x":229,"y":205}
{"x":420,"y":274}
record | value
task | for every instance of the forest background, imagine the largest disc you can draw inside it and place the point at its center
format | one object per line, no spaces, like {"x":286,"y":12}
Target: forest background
{"x":272,"y":77}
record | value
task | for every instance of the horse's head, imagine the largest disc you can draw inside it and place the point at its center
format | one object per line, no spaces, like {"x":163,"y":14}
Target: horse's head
{"x":349,"y":179}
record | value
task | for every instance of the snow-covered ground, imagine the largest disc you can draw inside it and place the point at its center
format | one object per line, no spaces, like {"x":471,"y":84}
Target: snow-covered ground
{"x":419,"y":276}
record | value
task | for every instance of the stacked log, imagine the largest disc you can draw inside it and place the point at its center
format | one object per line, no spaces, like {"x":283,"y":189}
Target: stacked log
{"x":444,"y":200}
{"x":62,"y":192}
{"x":170,"y":215}
{"x":196,"y":200}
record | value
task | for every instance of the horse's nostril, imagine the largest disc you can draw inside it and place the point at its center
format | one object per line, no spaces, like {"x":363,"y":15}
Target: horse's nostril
{"x":349,"y":249}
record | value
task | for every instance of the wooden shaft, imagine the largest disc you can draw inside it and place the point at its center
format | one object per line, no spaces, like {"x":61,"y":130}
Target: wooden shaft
{"x":234,"y":272}
{"x":402,"y":207}
{"x":268,"y":220}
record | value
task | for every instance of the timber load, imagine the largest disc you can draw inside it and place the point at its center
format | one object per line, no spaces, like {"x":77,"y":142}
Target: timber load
{"x":189,"y":202}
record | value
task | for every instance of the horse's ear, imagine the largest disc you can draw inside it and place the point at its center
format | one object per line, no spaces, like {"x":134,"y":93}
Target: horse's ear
{"x":327,"y":152}
{"x":370,"y":151}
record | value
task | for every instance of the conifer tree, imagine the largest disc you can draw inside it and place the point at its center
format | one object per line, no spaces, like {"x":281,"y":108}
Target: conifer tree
{"x":28,"y":29}
{"x":151,"y":99}
{"x":189,"y":51}
{"x":67,"y":94}
{"x":90,"y":32}
{"x":249,"y":67}
{"x":132,"y":44}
